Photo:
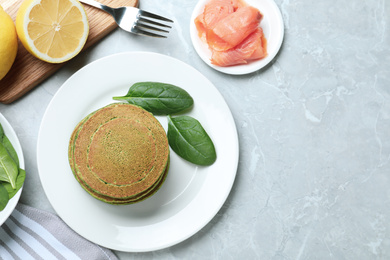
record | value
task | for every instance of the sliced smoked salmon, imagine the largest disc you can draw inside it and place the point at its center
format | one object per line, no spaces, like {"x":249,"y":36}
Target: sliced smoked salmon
{"x":231,"y":28}
{"x":249,"y":49}
{"x":200,"y":27}
{"x":214,"y":11}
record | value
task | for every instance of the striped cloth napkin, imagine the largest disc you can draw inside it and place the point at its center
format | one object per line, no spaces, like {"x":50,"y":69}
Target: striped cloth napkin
{"x":30,"y":233}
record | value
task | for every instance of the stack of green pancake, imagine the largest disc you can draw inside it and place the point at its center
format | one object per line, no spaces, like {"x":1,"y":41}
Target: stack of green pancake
{"x":119,"y":154}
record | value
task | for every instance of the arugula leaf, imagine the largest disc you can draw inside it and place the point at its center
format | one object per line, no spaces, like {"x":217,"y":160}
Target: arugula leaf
{"x":189,"y":140}
{"x":158,"y":98}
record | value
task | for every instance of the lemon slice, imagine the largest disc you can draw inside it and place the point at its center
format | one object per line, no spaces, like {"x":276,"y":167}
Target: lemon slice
{"x":52,"y":30}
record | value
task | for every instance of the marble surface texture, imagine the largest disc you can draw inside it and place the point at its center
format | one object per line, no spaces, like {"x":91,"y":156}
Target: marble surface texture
{"x":313,"y":180}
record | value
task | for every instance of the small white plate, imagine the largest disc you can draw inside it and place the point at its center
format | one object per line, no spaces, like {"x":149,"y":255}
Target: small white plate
{"x":273,"y":29}
{"x":191,"y":195}
{"x":10,"y":133}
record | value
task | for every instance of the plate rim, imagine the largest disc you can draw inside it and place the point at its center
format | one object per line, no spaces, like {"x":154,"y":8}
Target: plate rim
{"x":228,"y":187}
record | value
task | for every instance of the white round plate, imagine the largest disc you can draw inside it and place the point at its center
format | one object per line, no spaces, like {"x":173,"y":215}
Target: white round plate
{"x":273,"y":29}
{"x":10,"y":133}
{"x":190,"y":196}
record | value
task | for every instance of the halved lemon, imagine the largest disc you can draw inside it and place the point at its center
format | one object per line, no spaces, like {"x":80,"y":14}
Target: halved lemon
{"x":52,"y":30}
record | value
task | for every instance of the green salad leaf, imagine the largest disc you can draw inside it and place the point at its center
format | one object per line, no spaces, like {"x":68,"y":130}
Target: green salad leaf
{"x":189,"y":140}
{"x":19,"y":183}
{"x":8,"y":168}
{"x":158,"y":98}
{"x":7,"y":192}
{"x":11,"y":150}
{"x":11,"y":176}
{"x":1,"y":133}
{"x":4,"y":198}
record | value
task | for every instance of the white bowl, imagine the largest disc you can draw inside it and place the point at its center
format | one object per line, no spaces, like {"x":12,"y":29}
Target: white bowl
{"x":273,"y":29}
{"x":10,"y":133}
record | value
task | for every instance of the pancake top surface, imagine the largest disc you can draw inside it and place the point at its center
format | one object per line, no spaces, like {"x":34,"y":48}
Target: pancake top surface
{"x":119,"y":147}
{"x":120,"y":150}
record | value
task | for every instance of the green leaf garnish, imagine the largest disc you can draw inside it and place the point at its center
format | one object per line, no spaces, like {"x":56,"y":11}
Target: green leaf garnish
{"x":158,"y":98}
{"x":189,"y":140}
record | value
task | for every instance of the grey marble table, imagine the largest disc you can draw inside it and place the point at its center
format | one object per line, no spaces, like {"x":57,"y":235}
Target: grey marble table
{"x":313,"y":179}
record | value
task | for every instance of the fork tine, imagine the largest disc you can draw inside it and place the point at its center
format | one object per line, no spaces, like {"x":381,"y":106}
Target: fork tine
{"x":154,"y":16}
{"x":150,"y":27}
{"x":139,"y":31}
{"x":143,"y":20}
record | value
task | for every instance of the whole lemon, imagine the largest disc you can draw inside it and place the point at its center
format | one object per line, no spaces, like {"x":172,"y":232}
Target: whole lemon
{"x":8,"y":43}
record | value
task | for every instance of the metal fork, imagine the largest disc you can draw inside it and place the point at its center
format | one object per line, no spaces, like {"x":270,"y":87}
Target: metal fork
{"x":134,"y":20}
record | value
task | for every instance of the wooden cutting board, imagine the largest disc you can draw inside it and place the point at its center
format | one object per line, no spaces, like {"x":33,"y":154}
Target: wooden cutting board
{"x":27,"y":71}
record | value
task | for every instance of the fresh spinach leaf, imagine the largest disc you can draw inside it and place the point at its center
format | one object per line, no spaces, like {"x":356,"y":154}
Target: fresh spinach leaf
{"x":19,"y":183}
{"x":189,"y":140}
{"x":11,"y":150}
{"x":4,"y":198}
{"x":1,"y":133}
{"x":158,"y":98}
{"x":8,"y":168}
{"x":11,"y":176}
